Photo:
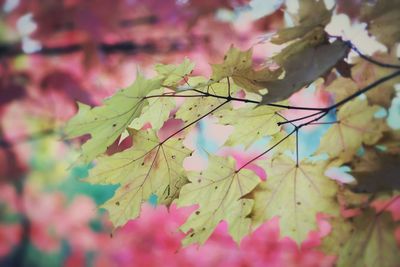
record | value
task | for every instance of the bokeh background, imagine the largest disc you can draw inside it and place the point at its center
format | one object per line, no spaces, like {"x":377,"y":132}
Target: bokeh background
{"x":54,"y":53}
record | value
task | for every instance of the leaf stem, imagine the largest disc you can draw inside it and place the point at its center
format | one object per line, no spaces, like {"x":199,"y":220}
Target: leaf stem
{"x":365,"y":89}
{"x":371,"y":60}
{"x":266,"y":151}
{"x":193,"y":122}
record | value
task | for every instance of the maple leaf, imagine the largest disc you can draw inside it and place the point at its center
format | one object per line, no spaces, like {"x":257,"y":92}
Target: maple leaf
{"x":366,"y":240}
{"x":302,"y":68}
{"x":195,"y":107}
{"x":355,"y":124}
{"x":149,"y":168}
{"x":219,"y":192}
{"x":238,"y":65}
{"x":382,"y":19}
{"x":295,"y":194}
{"x":289,"y":144}
{"x":105,"y":123}
{"x":376,"y":171}
{"x":307,"y":21}
{"x":342,"y":88}
{"x":365,"y":73}
{"x":250,"y":124}
{"x":173,"y":74}
{"x":156,"y":112}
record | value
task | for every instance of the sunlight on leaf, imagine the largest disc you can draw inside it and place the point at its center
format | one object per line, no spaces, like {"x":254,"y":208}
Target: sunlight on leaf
{"x":219,"y":192}
{"x":150,"y":168}
{"x":343,"y":139}
{"x":173,"y":74}
{"x":250,"y":124}
{"x":105,"y":123}
{"x":295,"y":195}
{"x":156,"y":112}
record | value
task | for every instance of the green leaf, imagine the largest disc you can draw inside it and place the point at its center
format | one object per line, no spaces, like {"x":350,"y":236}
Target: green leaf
{"x":105,"y":123}
{"x":149,"y":168}
{"x":250,"y":124}
{"x":219,"y":192}
{"x":302,"y":68}
{"x":173,"y":74}
{"x":156,"y":112}
{"x":295,"y":194}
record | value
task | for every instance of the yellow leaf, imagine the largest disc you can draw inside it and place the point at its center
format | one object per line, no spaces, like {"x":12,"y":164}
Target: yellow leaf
{"x":149,"y":168}
{"x":250,"y":124}
{"x":365,"y":73}
{"x":195,"y":107}
{"x":156,"y":112}
{"x":295,"y":194}
{"x":355,"y":122}
{"x":219,"y":192}
{"x":342,"y":88}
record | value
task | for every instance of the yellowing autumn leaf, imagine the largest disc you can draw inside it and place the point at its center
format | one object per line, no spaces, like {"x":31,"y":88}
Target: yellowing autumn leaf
{"x":302,"y":68}
{"x":289,"y":144}
{"x":295,"y":194}
{"x":365,"y":73}
{"x":156,"y":112}
{"x":307,"y":20}
{"x":149,"y":168}
{"x":219,"y":192}
{"x":105,"y":123}
{"x":342,"y":88}
{"x":369,"y":240}
{"x":173,"y":74}
{"x":238,"y":65}
{"x":383,"y":20}
{"x":355,"y":122}
{"x":195,"y":107}
{"x":250,"y":124}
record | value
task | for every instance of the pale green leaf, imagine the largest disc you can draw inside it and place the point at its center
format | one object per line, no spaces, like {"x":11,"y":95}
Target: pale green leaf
{"x":295,"y":194}
{"x":219,"y":192}
{"x":250,"y":124}
{"x":106,"y":122}
{"x":195,"y":107}
{"x":156,"y":112}
{"x":173,"y":74}
{"x":355,"y":122}
{"x":150,"y":167}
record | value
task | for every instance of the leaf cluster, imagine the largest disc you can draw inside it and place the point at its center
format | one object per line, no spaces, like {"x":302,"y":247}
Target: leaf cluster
{"x":296,"y":190}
